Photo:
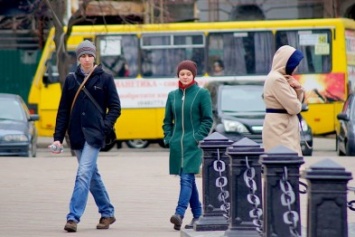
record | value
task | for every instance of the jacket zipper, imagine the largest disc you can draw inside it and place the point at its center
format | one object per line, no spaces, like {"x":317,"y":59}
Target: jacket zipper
{"x":183,"y":128}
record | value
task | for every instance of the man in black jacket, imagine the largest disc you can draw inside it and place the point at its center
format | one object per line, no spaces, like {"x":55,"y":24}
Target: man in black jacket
{"x":87,"y":127}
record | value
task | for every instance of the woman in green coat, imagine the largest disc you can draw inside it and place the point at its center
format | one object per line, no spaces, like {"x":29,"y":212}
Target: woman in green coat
{"x":188,"y":120}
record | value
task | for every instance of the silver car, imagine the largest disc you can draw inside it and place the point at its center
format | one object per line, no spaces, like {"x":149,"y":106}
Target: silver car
{"x":18,"y":134}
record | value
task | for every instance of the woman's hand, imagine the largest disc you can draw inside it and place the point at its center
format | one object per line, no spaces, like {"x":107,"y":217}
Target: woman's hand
{"x":297,"y":87}
{"x":293,"y":82}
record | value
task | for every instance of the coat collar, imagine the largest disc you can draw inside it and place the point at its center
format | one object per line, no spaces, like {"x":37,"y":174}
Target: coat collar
{"x":95,"y":76}
{"x":193,"y":84}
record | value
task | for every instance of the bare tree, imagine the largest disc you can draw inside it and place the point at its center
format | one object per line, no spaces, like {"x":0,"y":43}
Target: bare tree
{"x":58,"y":9}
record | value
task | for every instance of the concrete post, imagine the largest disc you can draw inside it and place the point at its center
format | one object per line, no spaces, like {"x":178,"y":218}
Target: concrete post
{"x":281,"y":187}
{"x":327,"y":199}
{"x":213,"y":146}
{"x":245,"y":188}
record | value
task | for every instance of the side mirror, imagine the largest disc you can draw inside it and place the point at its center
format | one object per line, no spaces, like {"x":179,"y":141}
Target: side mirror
{"x":343,"y":116}
{"x":34,"y":117}
{"x":51,"y":74}
{"x":304,"y":107}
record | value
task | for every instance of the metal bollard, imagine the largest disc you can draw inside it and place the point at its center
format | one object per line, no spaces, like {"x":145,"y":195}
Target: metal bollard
{"x":327,"y":199}
{"x":245,"y":188}
{"x":281,"y":192}
{"x":214,"y":172}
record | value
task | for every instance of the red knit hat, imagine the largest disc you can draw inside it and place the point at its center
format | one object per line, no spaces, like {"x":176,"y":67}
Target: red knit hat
{"x":188,"y":65}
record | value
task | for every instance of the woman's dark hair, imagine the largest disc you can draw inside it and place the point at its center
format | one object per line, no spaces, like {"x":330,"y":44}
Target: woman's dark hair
{"x":220,"y":62}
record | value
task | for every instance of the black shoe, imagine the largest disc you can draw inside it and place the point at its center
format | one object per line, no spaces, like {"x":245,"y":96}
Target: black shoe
{"x":177,"y":221}
{"x":191,"y":225}
{"x":70,"y":226}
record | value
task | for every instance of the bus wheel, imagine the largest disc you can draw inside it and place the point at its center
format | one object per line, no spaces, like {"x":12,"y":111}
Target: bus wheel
{"x":137,"y":144}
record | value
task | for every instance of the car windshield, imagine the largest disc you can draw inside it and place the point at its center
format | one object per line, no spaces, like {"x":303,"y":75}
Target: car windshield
{"x":242,"y":98}
{"x":10,"y":110}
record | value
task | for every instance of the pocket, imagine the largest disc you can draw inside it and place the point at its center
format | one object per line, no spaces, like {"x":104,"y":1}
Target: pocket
{"x":110,"y":137}
{"x":98,"y":91}
{"x":102,"y":125}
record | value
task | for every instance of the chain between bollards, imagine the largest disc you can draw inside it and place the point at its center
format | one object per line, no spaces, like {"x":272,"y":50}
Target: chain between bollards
{"x":288,"y":197}
{"x":256,"y":213}
{"x":221,"y":182}
{"x":351,"y":204}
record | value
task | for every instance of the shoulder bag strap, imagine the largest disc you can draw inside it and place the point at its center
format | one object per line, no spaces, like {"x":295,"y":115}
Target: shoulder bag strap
{"x":80,"y":87}
{"x":90,"y":97}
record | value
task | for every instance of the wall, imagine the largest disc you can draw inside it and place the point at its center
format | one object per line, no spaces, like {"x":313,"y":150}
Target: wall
{"x":17,"y":70}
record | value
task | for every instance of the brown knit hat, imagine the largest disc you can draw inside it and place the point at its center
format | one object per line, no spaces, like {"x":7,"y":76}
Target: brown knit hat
{"x":85,"y":47}
{"x":188,"y":65}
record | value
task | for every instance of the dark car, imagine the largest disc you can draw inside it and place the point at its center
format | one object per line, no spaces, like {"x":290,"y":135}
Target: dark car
{"x":345,"y":132}
{"x":239,"y":111}
{"x":18,"y":134}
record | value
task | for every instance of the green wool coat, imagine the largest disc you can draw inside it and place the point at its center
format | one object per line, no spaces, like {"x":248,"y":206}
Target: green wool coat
{"x":188,"y":120}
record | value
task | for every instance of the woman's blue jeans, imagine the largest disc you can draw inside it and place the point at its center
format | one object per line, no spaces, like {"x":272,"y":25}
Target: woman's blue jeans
{"x":88,"y":178}
{"x":188,"y":195}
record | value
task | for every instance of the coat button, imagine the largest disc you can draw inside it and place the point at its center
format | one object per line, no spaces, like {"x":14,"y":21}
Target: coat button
{"x":83,"y":113}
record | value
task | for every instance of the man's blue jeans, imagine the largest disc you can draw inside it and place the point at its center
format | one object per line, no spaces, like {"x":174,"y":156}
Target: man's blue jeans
{"x":88,"y":177}
{"x":188,"y":195}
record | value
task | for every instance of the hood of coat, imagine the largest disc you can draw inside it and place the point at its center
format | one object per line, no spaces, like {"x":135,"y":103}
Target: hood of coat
{"x":286,"y":59}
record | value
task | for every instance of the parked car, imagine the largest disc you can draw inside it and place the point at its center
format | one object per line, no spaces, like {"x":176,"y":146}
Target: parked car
{"x":239,"y":111}
{"x":18,"y":134}
{"x":345,"y":132}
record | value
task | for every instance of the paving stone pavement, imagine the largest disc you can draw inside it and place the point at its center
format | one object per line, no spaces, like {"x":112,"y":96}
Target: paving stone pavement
{"x":35,"y":193}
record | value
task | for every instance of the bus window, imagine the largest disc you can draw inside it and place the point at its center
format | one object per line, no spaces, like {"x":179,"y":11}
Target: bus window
{"x":162,"y":53}
{"x":118,"y":55}
{"x":315,"y":46}
{"x":242,"y":53}
{"x":51,"y":75}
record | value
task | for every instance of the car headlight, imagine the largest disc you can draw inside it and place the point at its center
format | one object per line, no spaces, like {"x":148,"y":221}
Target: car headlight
{"x":15,"y":138}
{"x":304,"y":125}
{"x":234,"y":126}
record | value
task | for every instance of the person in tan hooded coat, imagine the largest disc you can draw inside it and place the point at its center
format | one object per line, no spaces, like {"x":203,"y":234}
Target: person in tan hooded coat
{"x":283,"y":96}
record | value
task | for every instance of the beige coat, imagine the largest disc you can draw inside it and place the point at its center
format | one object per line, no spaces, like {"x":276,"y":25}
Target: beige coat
{"x":281,"y":129}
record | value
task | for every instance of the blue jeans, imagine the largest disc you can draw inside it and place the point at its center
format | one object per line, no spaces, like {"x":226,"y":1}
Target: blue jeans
{"x":188,"y":195}
{"x":88,"y":177}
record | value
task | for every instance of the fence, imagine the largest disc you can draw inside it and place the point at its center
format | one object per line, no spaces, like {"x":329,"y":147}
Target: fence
{"x":234,"y":175}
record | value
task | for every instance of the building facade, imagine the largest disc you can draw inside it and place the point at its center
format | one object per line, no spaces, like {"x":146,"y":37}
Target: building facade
{"x":227,"y":10}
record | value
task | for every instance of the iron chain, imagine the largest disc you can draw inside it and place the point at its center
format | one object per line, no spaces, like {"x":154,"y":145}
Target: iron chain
{"x":221,"y":182}
{"x":255,"y":213}
{"x":351,"y":204}
{"x":288,"y":197}
{"x":303,"y":191}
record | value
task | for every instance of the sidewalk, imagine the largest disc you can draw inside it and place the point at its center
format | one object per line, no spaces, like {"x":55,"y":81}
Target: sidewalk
{"x":35,"y":195}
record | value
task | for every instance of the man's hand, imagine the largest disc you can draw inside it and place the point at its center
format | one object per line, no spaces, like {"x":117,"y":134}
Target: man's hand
{"x":56,"y":147}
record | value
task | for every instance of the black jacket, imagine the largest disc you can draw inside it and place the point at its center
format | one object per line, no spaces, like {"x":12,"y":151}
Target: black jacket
{"x":86,"y":123}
